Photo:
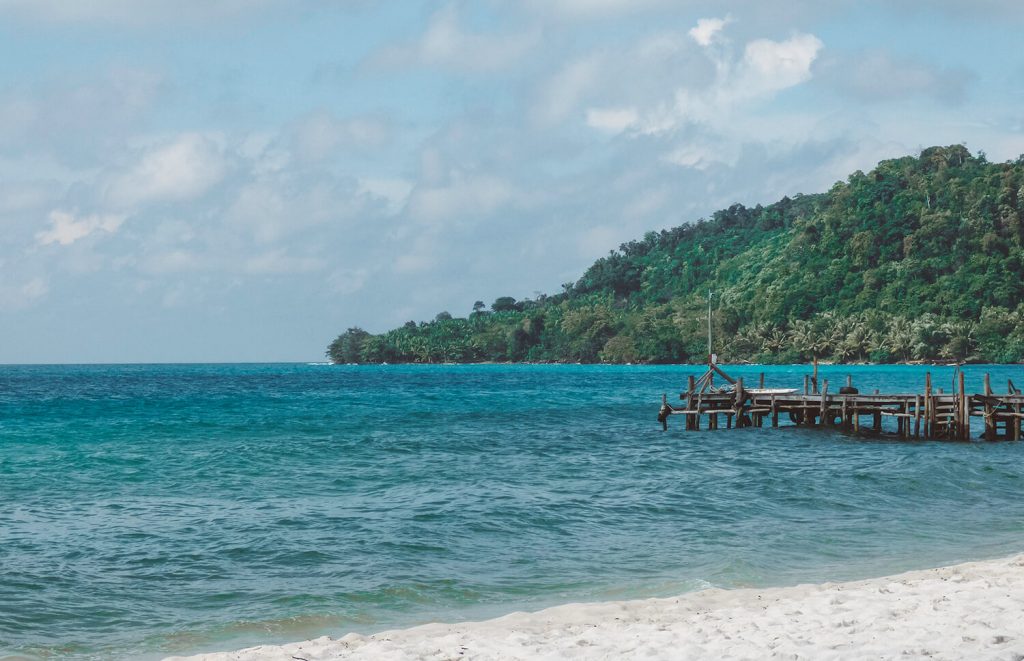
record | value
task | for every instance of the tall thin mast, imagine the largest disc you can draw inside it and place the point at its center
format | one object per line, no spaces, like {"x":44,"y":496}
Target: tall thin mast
{"x":710,"y":294}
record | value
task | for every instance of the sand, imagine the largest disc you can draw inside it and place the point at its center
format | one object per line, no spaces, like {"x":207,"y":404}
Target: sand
{"x":968,"y":611}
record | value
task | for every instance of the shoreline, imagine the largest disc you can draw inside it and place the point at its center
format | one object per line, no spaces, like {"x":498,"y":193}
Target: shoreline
{"x":969,"y":610}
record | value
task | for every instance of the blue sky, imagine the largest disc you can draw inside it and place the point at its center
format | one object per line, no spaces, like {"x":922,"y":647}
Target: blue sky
{"x":241,"y":180}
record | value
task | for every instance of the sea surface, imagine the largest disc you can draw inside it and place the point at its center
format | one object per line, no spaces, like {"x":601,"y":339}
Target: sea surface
{"x":147,"y":510}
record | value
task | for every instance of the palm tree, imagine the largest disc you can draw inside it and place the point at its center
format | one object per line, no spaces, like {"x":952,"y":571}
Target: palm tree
{"x":899,"y":339}
{"x":960,"y":339}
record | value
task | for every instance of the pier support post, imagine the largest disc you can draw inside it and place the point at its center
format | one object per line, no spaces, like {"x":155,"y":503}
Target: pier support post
{"x":775,"y":413}
{"x":965,"y":409}
{"x":929,"y":407}
{"x":990,"y":423}
{"x":823,"y":412}
{"x":691,"y":385}
{"x":917,"y":416}
{"x":741,"y":397}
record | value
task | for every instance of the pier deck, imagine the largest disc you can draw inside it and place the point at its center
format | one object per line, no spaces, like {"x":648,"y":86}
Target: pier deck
{"x":930,"y":415}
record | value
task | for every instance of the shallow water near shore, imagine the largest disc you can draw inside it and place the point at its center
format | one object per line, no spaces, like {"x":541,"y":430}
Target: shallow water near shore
{"x":156,"y":509}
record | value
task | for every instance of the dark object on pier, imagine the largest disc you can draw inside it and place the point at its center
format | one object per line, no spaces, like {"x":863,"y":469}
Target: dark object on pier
{"x":933,"y":415}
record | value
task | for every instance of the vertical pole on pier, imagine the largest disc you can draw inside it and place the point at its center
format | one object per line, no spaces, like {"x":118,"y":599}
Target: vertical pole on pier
{"x":691,"y":385}
{"x":823,"y":408}
{"x":1016,"y":422}
{"x":814,"y":380}
{"x":845,"y":416}
{"x":775,"y":413}
{"x":849,"y":380}
{"x":929,"y":407}
{"x":738,"y":404}
{"x":878,"y":421}
{"x":806,"y":389}
{"x":917,"y":416}
{"x":856,"y":418}
{"x":990,"y":423}
{"x":760,"y":381}
{"x":712,"y":421}
{"x":965,"y":411}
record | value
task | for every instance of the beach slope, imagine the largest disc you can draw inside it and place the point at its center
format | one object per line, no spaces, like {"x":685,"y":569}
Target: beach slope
{"x":968,"y":611}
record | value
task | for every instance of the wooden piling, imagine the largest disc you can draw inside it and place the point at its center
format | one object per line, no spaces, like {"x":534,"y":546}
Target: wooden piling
{"x":965,"y":413}
{"x":760,"y":381}
{"x":929,"y":406}
{"x":738,"y":404}
{"x":691,"y":385}
{"x":990,"y":423}
{"x":917,"y":416}
{"x":823,"y":409}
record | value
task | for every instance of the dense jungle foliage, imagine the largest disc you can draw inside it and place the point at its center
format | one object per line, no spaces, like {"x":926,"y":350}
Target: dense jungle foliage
{"x":920,"y":259}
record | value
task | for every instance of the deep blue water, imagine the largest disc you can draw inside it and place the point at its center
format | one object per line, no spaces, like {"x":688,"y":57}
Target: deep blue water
{"x":156,"y":509}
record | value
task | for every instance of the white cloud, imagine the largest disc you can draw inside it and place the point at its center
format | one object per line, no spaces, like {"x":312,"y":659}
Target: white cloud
{"x":65,"y":228}
{"x":706,"y":29}
{"x":766,"y":68}
{"x":182,"y":169}
{"x":593,"y":9}
{"x":129,"y":11}
{"x":775,"y":65}
{"x":465,"y":196}
{"x":444,"y":43}
{"x":13,"y":297}
{"x":612,"y":120}
{"x":77,"y":119}
{"x":559,"y":96}
{"x":321,"y":135}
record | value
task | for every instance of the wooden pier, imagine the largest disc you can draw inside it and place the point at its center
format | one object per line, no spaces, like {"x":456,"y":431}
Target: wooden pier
{"x":932,"y":414}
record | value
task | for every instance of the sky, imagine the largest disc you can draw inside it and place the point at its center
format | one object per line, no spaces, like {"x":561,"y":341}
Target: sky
{"x":242,"y":180}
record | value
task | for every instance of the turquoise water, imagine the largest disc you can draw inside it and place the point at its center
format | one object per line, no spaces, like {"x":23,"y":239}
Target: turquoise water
{"x":150,"y":510}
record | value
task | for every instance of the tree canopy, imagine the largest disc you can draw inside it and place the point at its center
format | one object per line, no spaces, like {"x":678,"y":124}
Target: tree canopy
{"x":922,"y":258}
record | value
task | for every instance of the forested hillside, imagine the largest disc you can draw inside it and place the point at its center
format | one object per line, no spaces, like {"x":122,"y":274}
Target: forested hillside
{"x":920,"y":259}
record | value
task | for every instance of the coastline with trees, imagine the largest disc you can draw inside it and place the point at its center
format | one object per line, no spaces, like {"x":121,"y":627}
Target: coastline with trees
{"x":919,"y":260}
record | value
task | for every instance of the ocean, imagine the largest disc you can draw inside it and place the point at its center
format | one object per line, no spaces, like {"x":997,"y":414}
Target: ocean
{"x":148,"y":510}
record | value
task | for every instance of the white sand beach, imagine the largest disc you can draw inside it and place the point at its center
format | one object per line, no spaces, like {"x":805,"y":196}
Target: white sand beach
{"x":968,"y":611}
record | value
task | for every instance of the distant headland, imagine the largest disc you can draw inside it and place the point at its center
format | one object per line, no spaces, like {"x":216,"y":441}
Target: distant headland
{"x":921,"y":259}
